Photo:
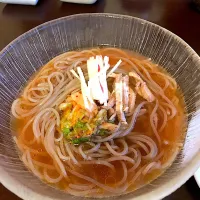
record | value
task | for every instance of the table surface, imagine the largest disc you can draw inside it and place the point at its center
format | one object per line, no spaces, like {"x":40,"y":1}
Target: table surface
{"x":178,"y":16}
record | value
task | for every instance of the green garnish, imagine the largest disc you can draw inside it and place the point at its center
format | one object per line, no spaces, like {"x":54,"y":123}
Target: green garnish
{"x":80,"y":140}
{"x":81,"y":125}
{"x":98,"y":122}
{"x":103,"y":132}
{"x":66,"y":131}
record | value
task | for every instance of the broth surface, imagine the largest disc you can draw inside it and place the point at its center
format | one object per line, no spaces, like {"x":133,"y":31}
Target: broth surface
{"x":172,"y":136}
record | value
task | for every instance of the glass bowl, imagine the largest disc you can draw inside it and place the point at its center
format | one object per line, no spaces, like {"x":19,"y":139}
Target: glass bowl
{"x":25,"y":55}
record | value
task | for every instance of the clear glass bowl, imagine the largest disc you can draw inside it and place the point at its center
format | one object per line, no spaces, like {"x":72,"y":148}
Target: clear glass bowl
{"x":25,"y":55}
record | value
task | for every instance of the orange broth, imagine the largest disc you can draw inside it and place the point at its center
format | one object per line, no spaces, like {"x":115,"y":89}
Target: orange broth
{"x":173,"y":135}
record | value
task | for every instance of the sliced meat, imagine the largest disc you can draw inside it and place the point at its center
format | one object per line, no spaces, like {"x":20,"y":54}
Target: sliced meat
{"x":144,"y":91}
{"x":125,"y":82}
{"x":141,"y":88}
{"x":119,"y":98}
{"x":111,"y":111}
{"x":131,"y":102}
{"x":111,"y":101}
{"x":112,"y":114}
{"x":109,"y":126}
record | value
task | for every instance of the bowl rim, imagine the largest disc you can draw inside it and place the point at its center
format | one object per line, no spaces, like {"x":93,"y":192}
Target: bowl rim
{"x":26,"y":193}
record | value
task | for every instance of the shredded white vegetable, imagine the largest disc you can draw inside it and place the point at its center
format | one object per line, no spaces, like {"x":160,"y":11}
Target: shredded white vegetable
{"x":97,"y":88}
{"x":114,"y":68}
{"x":75,"y":74}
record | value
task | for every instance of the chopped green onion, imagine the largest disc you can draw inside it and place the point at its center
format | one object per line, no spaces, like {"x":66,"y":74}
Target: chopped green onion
{"x":80,"y":125}
{"x":80,"y":140}
{"x":66,"y":131}
{"x":98,"y":123}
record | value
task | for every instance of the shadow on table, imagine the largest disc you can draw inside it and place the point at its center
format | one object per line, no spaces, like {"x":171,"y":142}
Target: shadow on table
{"x":72,"y":8}
{"x":49,"y":9}
{"x":30,"y":13}
{"x":188,"y":191}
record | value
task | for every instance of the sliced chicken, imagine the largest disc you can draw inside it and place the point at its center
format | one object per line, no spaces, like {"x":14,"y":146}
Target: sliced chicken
{"x":125,"y":82}
{"x":113,"y":75}
{"x":131,"y":102}
{"x":119,"y":98}
{"x":112,"y":114}
{"x":136,"y":76}
{"x":111,"y":101}
{"x":109,"y":126}
{"x":141,"y":88}
{"x":111,"y":111}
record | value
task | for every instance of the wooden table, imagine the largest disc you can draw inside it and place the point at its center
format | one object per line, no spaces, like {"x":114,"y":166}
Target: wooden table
{"x":178,"y":16}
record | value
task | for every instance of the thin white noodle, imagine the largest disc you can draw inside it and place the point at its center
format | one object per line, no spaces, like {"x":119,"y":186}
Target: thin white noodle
{"x":124,"y":178}
{"x":107,"y":138}
{"x":95,"y":148}
{"x":137,"y":163}
{"x":61,"y":156}
{"x":36,"y":129}
{"x":52,"y":180}
{"x":136,"y":176}
{"x":98,"y":162}
{"x":152,"y":123}
{"x":152,"y":145}
{"x":82,"y":193}
{"x":59,"y":138}
{"x":164,"y":119}
{"x":62,"y":148}
{"x":86,"y":157}
{"x":50,"y":148}
{"x":97,"y":155}
{"x":145,"y":148}
{"x":125,"y":158}
{"x":81,"y":186}
{"x":70,"y":153}
{"x":31,"y":165}
{"x":150,"y":166}
{"x":123,"y":152}
{"x":24,"y":147}
{"x":43,"y":165}
{"x":107,"y":188}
